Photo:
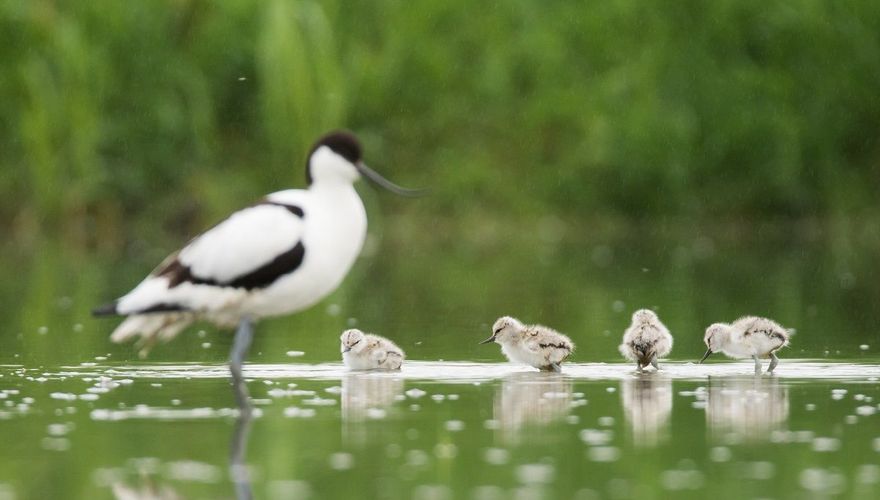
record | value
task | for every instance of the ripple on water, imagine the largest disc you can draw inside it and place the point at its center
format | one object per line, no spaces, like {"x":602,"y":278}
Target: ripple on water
{"x":341,"y":461}
{"x":290,"y":488}
{"x":477,"y":372}
{"x":825,"y":481}
{"x":432,"y":492}
{"x":826,"y":444}
{"x":678,"y":480}
{"x":604,"y":454}
{"x":496,"y":456}
{"x":535,"y":473}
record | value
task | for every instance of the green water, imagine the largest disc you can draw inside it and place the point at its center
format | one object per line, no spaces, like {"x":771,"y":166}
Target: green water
{"x":83,"y":418}
{"x":100,"y":431}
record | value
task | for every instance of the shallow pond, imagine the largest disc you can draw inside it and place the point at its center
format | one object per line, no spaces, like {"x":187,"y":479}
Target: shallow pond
{"x":443,"y":431}
{"x":83,"y":418}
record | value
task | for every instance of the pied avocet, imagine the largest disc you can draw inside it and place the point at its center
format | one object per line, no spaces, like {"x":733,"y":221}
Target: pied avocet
{"x":535,"y":345}
{"x":365,"y":351}
{"x":646,"y":340}
{"x":747,"y":337}
{"x":278,"y":256}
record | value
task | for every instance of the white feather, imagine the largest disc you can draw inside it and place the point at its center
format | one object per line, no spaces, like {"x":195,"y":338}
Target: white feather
{"x":242,"y":243}
{"x":331,"y":231}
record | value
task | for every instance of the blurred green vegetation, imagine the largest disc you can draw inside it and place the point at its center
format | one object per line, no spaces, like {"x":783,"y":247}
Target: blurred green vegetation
{"x":168,"y":114}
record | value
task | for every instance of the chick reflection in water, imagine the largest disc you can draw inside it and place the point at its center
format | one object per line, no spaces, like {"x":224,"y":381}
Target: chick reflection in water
{"x":367,"y":396}
{"x":530,"y":400}
{"x":647,"y":406}
{"x":746,"y":409}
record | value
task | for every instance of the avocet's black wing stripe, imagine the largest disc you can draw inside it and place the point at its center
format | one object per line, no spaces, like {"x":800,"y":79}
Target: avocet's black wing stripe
{"x":295,"y":210}
{"x":251,"y":249}
{"x":261,"y":277}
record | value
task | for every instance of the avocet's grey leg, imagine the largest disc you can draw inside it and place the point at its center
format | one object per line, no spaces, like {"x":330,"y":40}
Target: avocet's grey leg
{"x":238,"y":447}
{"x":554,"y":367}
{"x":238,"y":471}
{"x":773,"y":362}
{"x":757,"y":365}
{"x":638,"y":366}
{"x":240,"y":346}
{"x":654,"y":363}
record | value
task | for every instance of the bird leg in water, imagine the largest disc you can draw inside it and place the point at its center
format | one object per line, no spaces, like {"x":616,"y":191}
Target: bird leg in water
{"x":639,"y":366}
{"x":757,"y":364}
{"x":238,"y":471}
{"x":773,"y":362}
{"x":654,"y":363}
{"x":240,"y":346}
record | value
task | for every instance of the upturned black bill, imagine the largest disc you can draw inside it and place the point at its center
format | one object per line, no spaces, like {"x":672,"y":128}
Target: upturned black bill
{"x":380,"y":181}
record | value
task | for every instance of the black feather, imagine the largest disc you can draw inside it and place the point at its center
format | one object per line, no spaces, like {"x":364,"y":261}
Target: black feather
{"x":105,"y":310}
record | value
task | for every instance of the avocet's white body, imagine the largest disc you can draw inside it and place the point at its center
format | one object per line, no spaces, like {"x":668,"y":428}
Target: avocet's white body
{"x":278,"y":256}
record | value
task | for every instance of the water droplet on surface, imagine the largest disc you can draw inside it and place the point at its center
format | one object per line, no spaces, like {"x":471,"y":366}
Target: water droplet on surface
{"x":376,"y":413}
{"x":496,"y":456}
{"x":535,"y":473}
{"x":341,"y":461}
{"x":826,"y":444}
{"x":432,"y":492}
{"x":678,"y":480}
{"x":822,"y":480}
{"x":290,"y":488}
{"x":454,"y":425}
{"x":720,"y":454}
{"x":604,"y":454}
{"x":55,"y":444}
{"x":417,"y":458}
{"x":296,"y":412}
{"x":445,"y":451}
{"x":415,"y":393}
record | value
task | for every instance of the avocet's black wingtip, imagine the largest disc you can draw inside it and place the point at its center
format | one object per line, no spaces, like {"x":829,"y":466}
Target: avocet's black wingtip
{"x":105,"y":310}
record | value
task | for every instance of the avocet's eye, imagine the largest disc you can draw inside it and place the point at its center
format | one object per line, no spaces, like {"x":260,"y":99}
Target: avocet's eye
{"x":498,"y":330}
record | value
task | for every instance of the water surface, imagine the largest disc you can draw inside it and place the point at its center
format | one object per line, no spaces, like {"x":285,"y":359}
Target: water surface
{"x":83,"y":418}
{"x":441,"y":430}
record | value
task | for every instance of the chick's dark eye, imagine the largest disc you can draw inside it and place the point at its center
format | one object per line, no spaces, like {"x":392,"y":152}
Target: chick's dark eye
{"x":498,"y":330}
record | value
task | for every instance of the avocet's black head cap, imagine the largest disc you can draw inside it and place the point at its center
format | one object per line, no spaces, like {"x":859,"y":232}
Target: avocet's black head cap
{"x":341,"y":142}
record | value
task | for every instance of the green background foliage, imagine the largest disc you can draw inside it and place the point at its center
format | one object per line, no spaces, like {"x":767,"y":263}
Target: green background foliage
{"x":170,"y":114}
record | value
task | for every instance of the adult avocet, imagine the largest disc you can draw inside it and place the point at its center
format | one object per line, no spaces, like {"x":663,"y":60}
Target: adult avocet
{"x":535,"y":345}
{"x":747,"y":337}
{"x":278,"y":256}
{"x":646,"y":340}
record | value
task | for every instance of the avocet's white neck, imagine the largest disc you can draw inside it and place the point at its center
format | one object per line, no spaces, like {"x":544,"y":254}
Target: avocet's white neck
{"x":328,"y":167}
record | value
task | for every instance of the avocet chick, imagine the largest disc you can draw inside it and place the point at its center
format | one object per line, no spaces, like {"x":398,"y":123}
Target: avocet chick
{"x":747,"y":337}
{"x":646,"y":340}
{"x":363,"y":351}
{"x":535,"y":345}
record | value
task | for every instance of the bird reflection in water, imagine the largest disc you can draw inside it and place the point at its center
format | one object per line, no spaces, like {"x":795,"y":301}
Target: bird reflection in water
{"x":238,"y":470}
{"x":647,"y":406}
{"x":367,"y":396}
{"x":746,"y":409}
{"x":529,"y":401}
